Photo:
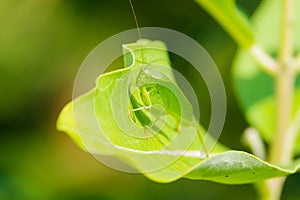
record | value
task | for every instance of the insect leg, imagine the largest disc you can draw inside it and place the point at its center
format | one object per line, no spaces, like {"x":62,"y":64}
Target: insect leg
{"x":200,"y":136}
{"x":144,"y":94}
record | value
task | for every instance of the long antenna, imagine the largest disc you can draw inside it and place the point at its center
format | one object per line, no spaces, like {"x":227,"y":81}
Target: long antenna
{"x":138,"y":29}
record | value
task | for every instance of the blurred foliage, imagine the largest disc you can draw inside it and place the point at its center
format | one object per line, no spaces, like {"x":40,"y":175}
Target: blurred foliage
{"x":42,"y":44}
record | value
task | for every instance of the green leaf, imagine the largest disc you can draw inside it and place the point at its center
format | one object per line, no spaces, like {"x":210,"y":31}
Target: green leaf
{"x":149,"y":139}
{"x":231,"y":167}
{"x":78,"y":120}
{"x":236,"y":167}
{"x":147,"y":127}
{"x":254,"y":87}
{"x":162,"y":148}
{"x":233,"y":20}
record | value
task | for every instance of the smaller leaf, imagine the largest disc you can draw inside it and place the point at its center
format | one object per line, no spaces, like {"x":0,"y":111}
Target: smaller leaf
{"x":237,"y":167}
{"x":233,"y":20}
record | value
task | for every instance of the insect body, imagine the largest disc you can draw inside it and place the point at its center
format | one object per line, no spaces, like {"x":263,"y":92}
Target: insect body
{"x":156,"y":102}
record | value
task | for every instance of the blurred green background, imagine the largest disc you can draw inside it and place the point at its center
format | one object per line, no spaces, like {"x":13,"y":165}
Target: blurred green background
{"x":42,"y":44}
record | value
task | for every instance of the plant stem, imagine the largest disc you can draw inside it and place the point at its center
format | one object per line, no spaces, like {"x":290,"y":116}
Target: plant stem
{"x":286,"y":48}
{"x":267,"y":63}
{"x":282,"y":146}
{"x":252,"y":139}
{"x":271,"y":189}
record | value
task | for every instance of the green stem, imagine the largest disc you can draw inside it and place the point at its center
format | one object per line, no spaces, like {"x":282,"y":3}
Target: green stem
{"x":286,"y":48}
{"x":270,"y":189}
{"x":267,"y":63}
{"x":282,"y":146}
{"x":252,"y":139}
